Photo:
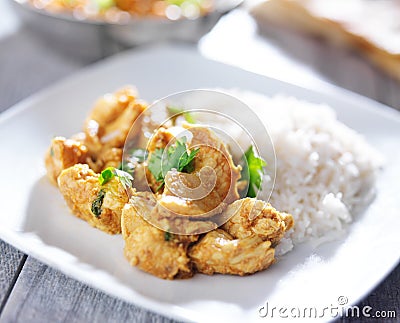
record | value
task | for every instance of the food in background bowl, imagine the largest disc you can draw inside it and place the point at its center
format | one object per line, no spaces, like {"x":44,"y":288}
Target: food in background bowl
{"x":123,"y":10}
{"x":107,"y":25}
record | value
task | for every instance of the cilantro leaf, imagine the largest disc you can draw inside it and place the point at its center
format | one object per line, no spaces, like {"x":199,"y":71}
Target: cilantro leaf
{"x":98,"y":203}
{"x":187,"y":165}
{"x":254,"y":167}
{"x":167,"y":236}
{"x":155,"y":164}
{"x":110,"y":172}
{"x":175,"y":112}
{"x":106,"y":175}
{"x":176,"y":157}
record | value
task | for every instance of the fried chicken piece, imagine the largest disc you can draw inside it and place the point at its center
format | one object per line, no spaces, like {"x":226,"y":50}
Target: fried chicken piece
{"x":111,"y":119}
{"x":213,"y":156}
{"x":105,"y":132}
{"x":111,"y":157}
{"x":63,"y":153}
{"x":219,"y":252}
{"x":140,"y":180}
{"x":160,"y":139}
{"x":189,"y":185}
{"x":80,"y":187}
{"x":154,"y":251}
{"x":214,"y":153}
{"x":248,"y":217}
{"x":244,"y":243}
{"x":148,"y":206}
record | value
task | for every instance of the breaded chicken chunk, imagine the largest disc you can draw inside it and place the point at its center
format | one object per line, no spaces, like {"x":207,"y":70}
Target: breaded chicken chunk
{"x":105,"y":132}
{"x":213,"y":156}
{"x":204,"y":207}
{"x":154,"y":251}
{"x":148,"y":206}
{"x":244,"y":244}
{"x":110,"y":120}
{"x":63,"y":153}
{"x":100,"y":206}
{"x":110,"y":157}
{"x":219,"y":252}
{"x":213,"y":153}
{"x":249,"y":217}
{"x":255,"y":228}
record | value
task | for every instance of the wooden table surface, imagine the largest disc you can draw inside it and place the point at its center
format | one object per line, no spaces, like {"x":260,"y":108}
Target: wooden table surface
{"x":33,"y":292}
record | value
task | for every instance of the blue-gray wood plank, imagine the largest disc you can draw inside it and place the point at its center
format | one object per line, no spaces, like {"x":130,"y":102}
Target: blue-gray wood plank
{"x":10,"y":260}
{"x":43,"y":294}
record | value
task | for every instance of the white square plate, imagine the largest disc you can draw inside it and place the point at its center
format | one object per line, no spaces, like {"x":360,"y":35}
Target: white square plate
{"x":35,"y":219}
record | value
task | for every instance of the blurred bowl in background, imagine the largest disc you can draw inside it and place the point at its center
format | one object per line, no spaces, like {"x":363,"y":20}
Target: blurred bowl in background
{"x":94,"y":38}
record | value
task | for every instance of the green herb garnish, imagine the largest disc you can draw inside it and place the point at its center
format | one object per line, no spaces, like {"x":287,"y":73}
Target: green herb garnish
{"x":254,"y":167}
{"x":51,"y":152}
{"x":110,"y":172}
{"x":176,"y":157}
{"x":167,"y":236}
{"x":106,"y":175}
{"x":98,"y":203}
{"x":173,"y":111}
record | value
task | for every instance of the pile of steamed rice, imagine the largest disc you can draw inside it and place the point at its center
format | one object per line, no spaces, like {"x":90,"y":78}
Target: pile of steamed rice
{"x":325,"y":171}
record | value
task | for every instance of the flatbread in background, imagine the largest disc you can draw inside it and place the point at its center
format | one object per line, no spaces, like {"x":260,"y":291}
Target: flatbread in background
{"x":371,"y":26}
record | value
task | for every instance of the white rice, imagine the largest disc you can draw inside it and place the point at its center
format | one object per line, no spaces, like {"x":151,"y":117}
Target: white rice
{"x":326,"y":172}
